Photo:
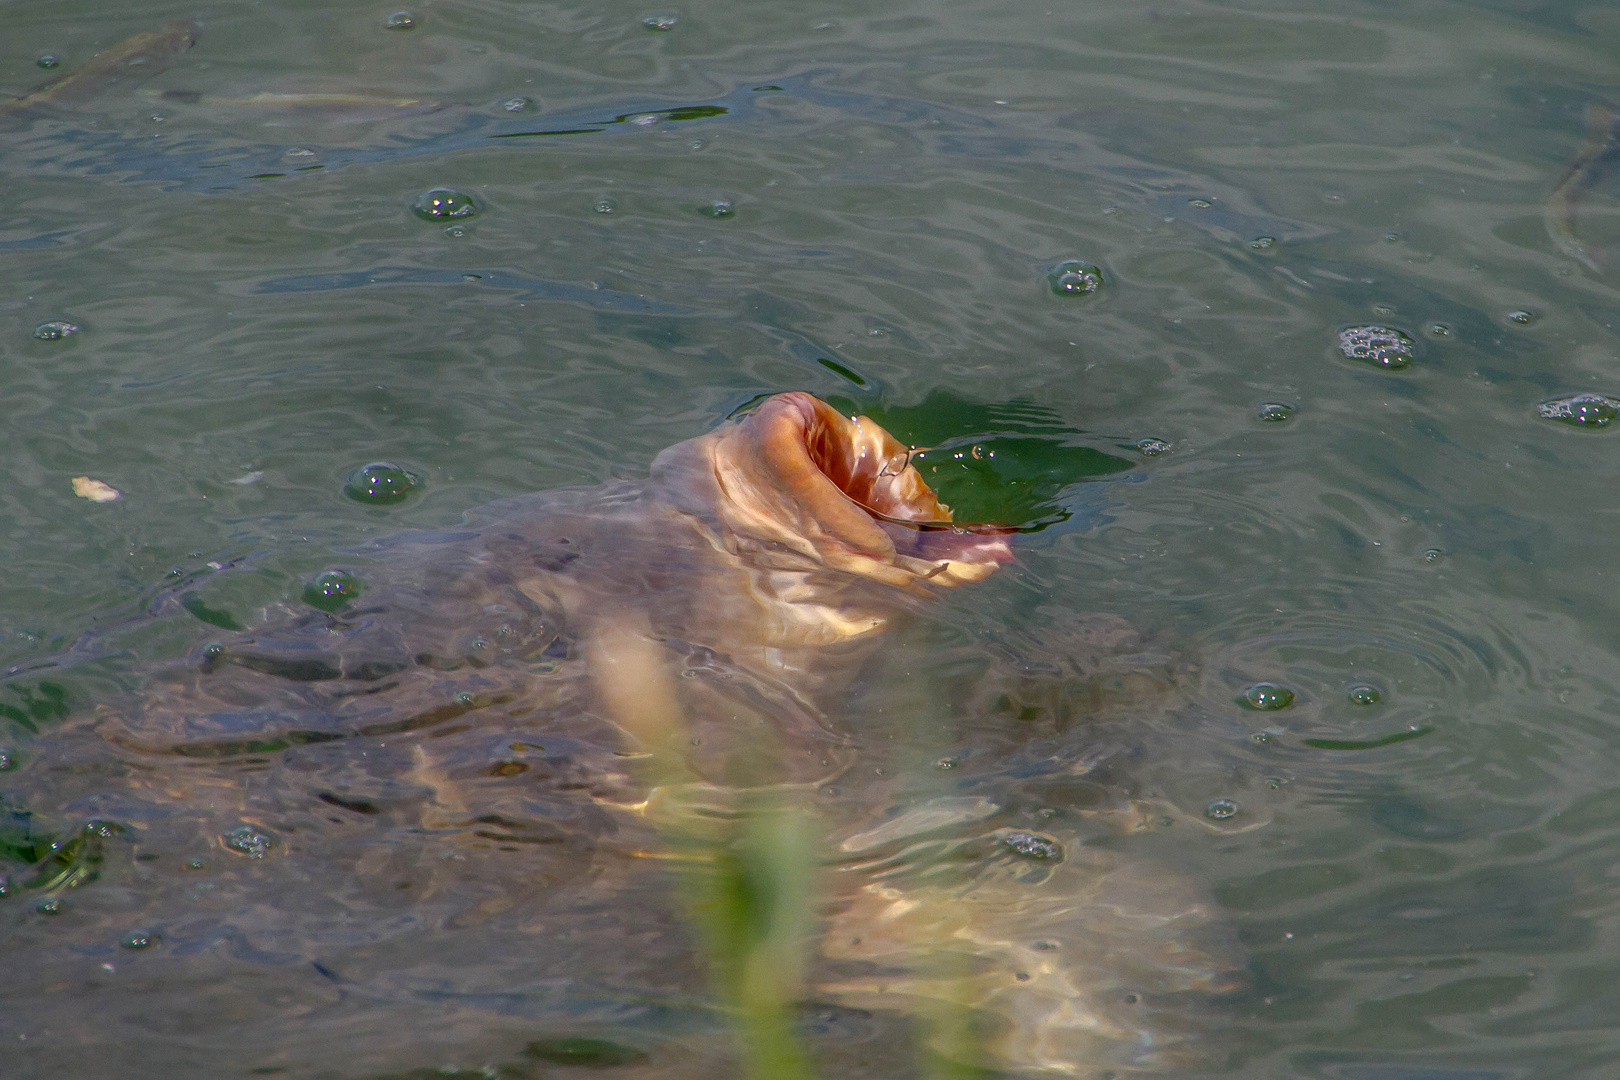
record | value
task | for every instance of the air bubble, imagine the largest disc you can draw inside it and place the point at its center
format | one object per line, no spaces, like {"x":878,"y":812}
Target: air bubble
{"x":1275,"y":412}
{"x":1521,"y":318}
{"x":442,"y":203}
{"x":400,"y":20}
{"x":7,"y":762}
{"x":141,"y":939}
{"x":1379,"y":345}
{"x":49,"y":61}
{"x":718,"y":209}
{"x":1362,"y":694}
{"x":1263,"y":243}
{"x":248,"y":841}
{"x":1383,"y":311}
{"x":56,"y":330}
{"x":1433,"y":555}
{"x":1201,"y":204}
{"x":51,"y":905}
{"x":605,"y":206}
{"x":1582,"y":410}
{"x":517,"y":104}
{"x":1152,"y":447}
{"x":331,"y":590}
{"x":1075,"y":278}
{"x":1438,"y":330}
{"x":1268,"y":697}
{"x":380,"y":484}
{"x":1033,"y":845}
{"x":1221,"y":810}
{"x":661,"y":22}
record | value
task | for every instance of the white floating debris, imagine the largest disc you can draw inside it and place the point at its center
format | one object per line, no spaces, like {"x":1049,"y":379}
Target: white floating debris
{"x":250,"y":478}
{"x":94,"y":490}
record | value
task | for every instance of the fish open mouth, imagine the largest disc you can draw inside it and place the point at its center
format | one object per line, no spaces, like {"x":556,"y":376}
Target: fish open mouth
{"x":798,"y":472}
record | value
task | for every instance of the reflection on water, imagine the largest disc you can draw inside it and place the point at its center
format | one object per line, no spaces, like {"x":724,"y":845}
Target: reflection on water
{"x":1285,"y":338}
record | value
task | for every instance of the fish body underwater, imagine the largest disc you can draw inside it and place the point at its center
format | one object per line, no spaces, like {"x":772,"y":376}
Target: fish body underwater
{"x":131,"y":60}
{"x":440,"y":811}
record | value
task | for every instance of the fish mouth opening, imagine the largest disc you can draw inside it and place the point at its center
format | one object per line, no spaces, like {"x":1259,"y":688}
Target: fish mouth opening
{"x":850,"y":482}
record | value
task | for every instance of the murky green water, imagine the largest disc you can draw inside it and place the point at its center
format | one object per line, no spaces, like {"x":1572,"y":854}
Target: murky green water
{"x":1407,"y":837}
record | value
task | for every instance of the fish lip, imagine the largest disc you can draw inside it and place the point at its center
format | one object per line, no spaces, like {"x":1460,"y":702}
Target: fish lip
{"x":844,"y":487}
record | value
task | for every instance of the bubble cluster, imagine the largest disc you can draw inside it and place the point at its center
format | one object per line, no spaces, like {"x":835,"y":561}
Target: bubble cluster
{"x":1381,"y":345}
{"x":56,"y":330}
{"x":1275,"y":412}
{"x":400,"y":20}
{"x":1032,"y":845}
{"x":381,"y":483}
{"x":443,"y":203}
{"x":248,"y":841}
{"x":1074,"y":278}
{"x":1268,"y":697}
{"x":1152,"y":447}
{"x":661,"y":22}
{"x":1581,"y":410}
{"x":331,"y":590}
{"x":1363,"y":694}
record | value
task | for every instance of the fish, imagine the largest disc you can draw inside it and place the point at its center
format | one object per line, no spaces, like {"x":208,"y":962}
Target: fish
{"x":462,"y":768}
{"x":1592,"y":161}
{"x":131,"y":60}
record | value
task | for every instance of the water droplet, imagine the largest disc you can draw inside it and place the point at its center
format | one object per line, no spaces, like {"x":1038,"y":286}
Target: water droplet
{"x":1074,"y":278}
{"x":442,"y":203}
{"x":48,"y":61}
{"x":141,"y":939}
{"x":1433,"y":555}
{"x":380,"y":484}
{"x":719,"y":208}
{"x":661,"y":22}
{"x":1582,"y":410}
{"x":1152,"y":447}
{"x":1268,"y":696}
{"x":248,"y":841}
{"x":1521,"y":318}
{"x":605,"y":206}
{"x":1221,"y":810}
{"x":1275,"y":412}
{"x":400,"y":20}
{"x":1033,"y":845}
{"x":331,"y":590}
{"x":1439,"y":330}
{"x":1362,"y":694}
{"x":51,"y":905}
{"x":1202,"y":204}
{"x":1263,"y":243}
{"x":1379,"y":345}
{"x":56,"y":330}
{"x":517,"y":104}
